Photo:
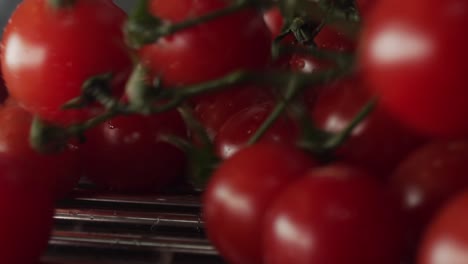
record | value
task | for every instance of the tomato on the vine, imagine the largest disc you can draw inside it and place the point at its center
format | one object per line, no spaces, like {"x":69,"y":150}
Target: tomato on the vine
{"x":126,"y":153}
{"x":214,"y":109}
{"x":236,"y":132}
{"x":332,"y":39}
{"x":241,"y":190}
{"x":379,"y":143}
{"x":446,"y":239}
{"x":60,"y":172}
{"x":210,"y":50}
{"x":49,"y":52}
{"x":413,"y":54}
{"x":427,"y":179}
{"x":274,"y":20}
{"x":333,"y":215}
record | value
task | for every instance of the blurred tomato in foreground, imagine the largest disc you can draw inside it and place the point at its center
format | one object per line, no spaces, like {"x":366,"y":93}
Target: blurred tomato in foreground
{"x":413,"y":54}
{"x":241,"y":190}
{"x":59,"y":172}
{"x":333,"y":215}
{"x":446,"y":239}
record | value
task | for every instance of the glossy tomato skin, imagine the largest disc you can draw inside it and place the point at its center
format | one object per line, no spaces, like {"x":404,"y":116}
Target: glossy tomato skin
{"x":274,"y":20}
{"x":60,"y":171}
{"x":27,"y":207}
{"x":379,"y":143}
{"x":126,"y":154}
{"x":446,"y":239}
{"x":416,"y":66}
{"x":332,"y":39}
{"x":214,"y":109}
{"x":210,"y":50}
{"x":48,"y":54}
{"x":236,"y":132}
{"x":365,"y":7}
{"x":428,"y":178}
{"x":333,"y":215}
{"x":240,"y":191}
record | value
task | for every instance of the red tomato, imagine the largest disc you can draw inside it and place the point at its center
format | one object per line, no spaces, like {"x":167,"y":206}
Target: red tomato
{"x":239,"y":193}
{"x":60,"y":171}
{"x":365,"y":7}
{"x":327,"y":38}
{"x":213,"y":110}
{"x":334,"y":215}
{"x":207,"y":51}
{"x":414,"y":53}
{"x":427,"y":179}
{"x":331,"y":39}
{"x":236,"y":132}
{"x":446,"y":239}
{"x":274,"y":20}
{"x":126,"y":154}
{"x":379,"y":143}
{"x":49,"y":53}
{"x":27,"y":208}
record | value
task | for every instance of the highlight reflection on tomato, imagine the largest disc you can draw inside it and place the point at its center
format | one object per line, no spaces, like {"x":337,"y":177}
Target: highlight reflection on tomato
{"x":47,"y":54}
{"x":334,"y":215}
{"x":414,"y":57}
{"x":241,"y":190}
{"x":446,"y":239}
{"x":210,"y":50}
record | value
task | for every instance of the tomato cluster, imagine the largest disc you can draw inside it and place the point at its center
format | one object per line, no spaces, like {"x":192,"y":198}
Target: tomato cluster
{"x":324,"y":131}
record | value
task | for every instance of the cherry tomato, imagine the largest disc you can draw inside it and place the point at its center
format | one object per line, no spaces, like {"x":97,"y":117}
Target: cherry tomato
{"x":236,"y":132}
{"x":334,"y":215}
{"x":49,"y":53}
{"x":427,"y":179}
{"x":413,"y":54}
{"x":210,"y":50}
{"x":331,"y":39}
{"x":60,"y":171}
{"x":328,"y":38}
{"x":239,"y":193}
{"x":379,"y":143}
{"x":27,"y":207}
{"x":446,"y":239}
{"x":126,"y":153}
{"x":365,"y":7}
{"x":213,"y":110}
{"x":274,"y":20}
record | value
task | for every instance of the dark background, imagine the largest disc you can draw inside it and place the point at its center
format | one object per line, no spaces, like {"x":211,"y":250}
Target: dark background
{"x":7,"y":6}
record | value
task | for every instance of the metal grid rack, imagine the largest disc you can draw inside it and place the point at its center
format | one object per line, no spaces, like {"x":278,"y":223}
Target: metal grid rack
{"x":118,"y":229}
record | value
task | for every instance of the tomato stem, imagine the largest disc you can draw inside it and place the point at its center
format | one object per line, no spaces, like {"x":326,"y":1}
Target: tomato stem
{"x":337,"y":140}
{"x":46,"y":138}
{"x":143,"y":28}
{"x":195,"y":126}
{"x":292,"y":90}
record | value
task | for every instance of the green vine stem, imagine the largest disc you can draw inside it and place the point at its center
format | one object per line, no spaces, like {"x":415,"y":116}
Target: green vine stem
{"x":344,"y":19}
{"x":337,"y":140}
{"x":324,"y":143}
{"x":143,"y":28}
{"x":292,"y":90}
